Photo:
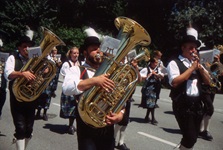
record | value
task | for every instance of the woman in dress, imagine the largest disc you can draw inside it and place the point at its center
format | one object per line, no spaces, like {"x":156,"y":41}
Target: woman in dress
{"x":150,"y":90}
{"x":68,"y":103}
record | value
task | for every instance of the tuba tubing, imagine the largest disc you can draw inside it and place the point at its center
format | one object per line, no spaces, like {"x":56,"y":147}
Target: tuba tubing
{"x":26,"y":91}
{"x":96,"y":103}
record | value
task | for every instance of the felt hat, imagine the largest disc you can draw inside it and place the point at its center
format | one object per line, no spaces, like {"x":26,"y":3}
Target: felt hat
{"x":25,"y":39}
{"x":91,"y":40}
{"x":190,"y":39}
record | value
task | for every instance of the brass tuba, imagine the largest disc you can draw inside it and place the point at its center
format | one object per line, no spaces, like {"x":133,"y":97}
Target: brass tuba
{"x":96,"y":103}
{"x":27,"y":91}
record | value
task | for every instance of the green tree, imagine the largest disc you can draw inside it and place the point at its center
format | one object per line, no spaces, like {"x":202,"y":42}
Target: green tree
{"x":18,"y":14}
{"x":206,"y":17}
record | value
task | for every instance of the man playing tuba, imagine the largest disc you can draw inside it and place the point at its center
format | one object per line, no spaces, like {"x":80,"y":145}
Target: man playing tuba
{"x":78,"y":80}
{"x":22,"y":112}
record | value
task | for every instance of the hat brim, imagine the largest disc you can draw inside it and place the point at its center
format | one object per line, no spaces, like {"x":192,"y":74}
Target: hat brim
{"x":198,"y":43}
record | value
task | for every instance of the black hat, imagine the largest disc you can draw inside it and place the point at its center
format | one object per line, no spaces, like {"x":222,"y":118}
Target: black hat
{"x":25,"y":39}
{"x":91,"y":40}
{"x":190,"y":39}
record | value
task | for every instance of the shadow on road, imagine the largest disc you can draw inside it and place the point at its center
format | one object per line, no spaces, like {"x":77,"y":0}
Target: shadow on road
{"x":139,"y":120}
{"x":57,"y":128}
{"x":2,"y":134}
{"x":168,"y":112}
{"x":174,"y":131}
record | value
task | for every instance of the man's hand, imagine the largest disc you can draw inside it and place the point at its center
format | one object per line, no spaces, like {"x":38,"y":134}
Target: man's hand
{"x":134,"y":63}
{"x":113,"y":118}
{"x":104,"y":82}
{"x":28,"y":75}
{"x":195,"y":65}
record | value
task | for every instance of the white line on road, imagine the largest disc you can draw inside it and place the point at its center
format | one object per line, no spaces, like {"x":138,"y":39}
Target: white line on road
{"x":158,"y":139}
{"x":56,"y":104}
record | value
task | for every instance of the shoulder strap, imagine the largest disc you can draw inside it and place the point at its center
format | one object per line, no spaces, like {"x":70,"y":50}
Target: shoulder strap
{"x":69,"y":63}
{"x":83,"y":74}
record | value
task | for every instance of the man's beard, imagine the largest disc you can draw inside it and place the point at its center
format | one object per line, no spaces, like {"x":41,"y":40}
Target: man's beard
{"x":93,"y":60}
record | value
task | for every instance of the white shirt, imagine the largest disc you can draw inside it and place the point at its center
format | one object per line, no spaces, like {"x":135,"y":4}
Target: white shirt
{"x":10,"y":65}
{"x":66,"y":65}
{"x":144,"y":72}
{"x":72,"y":79}
{"x":173,"y":72}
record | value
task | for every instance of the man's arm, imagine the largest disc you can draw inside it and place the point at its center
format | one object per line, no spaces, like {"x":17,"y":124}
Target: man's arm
{"x":10,"y":72}
{"x":102,"y":81}
{"x":175,"y":78}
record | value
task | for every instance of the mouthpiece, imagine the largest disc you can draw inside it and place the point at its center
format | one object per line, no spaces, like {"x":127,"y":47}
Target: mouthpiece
{"x":97,"y":56}
{"x":195,"y":57}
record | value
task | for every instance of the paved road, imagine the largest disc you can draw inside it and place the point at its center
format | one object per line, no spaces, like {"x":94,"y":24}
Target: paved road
{"x":51,"y":134}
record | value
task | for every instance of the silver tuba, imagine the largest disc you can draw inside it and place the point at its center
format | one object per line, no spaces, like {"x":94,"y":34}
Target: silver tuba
{"x":27,"y":91}
{"x":96,"y":103}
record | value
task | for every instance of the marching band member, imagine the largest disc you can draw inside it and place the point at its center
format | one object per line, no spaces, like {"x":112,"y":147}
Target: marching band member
{"x":74,"y":84}
{"x":3,"y":81}
{"x":68,"y":103}
{"x":23,"y":113}
{"x":185,"y":77}
{"x":151,"y":88}
{"x":44,"y":99}
{"x":120,"y":128}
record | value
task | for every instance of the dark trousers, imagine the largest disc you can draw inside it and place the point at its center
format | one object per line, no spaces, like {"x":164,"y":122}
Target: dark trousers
{"x":188,"y":113}
{"x":90,"y":138}
{"x":208,"y":99}
{"x":97,"y":143}
{"x":23,"y":114}
{"x":2,"y":99}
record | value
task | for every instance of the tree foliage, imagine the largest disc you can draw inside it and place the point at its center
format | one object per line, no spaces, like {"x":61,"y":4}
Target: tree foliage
{"x":19,"y":14}
{"x":165,"y":21}
{"x":206,"y":17}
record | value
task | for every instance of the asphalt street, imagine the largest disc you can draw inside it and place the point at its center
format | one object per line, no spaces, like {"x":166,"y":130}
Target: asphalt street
{"x":52,"y":134}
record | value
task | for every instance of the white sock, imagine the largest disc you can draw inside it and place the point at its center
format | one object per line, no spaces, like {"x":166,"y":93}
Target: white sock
{"x":122,"y":135}
{"x":116,"y":131}
{"x":202,"y":125}
{"x":20,"y":144}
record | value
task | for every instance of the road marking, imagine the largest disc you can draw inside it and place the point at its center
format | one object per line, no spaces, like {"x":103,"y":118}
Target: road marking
{"x":56,"y":104}
{"x":158,"y":139}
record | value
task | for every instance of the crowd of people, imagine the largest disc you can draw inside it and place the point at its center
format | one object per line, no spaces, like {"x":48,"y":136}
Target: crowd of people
{"x":192,"y":105}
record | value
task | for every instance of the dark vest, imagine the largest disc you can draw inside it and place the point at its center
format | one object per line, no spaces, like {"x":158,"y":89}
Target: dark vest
{"x":181,"y":89}
{"x":18,"y":66}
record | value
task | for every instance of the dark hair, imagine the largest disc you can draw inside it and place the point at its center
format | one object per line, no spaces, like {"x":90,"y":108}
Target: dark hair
{"x":152,"y":60}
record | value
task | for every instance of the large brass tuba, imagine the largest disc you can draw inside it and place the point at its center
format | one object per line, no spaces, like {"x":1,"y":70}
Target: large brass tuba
{"x":96,"y":103}
{"x":27,"y":91}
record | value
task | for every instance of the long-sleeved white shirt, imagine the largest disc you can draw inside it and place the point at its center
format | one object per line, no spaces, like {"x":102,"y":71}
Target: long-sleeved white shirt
{"x":72,"y":79}
{"x":10,"y":65}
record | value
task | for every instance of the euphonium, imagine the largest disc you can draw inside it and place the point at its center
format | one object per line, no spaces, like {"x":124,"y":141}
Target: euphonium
{"x":96,"y":103}
{"x":216,"y":70}
{"x":143,"y":55}
{"x":27,"y":91}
